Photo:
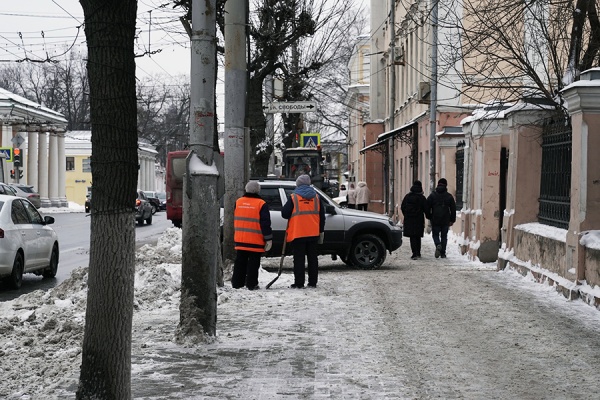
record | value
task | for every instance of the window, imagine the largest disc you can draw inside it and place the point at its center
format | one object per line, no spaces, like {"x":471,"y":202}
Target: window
{"x":18,"y":213}
{"x":87,"y":164}
{"x":34,"y":215}
{"x":70,"y":163}
{"x":272,"y":198}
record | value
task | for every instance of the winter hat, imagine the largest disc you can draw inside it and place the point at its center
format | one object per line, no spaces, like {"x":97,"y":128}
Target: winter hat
{"x":252,"y":187}
{"x":303,"y":180}
{"x":443,"y":182}
{"x":418,"y":183}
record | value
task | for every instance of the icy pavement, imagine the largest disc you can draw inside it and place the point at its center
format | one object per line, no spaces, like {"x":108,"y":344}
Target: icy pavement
{"x":425,"y":329}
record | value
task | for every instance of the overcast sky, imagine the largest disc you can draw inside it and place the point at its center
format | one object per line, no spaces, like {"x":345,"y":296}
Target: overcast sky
{"x":36,"y":29}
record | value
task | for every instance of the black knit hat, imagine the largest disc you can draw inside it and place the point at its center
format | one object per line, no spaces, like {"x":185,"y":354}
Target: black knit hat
{"x":443,"y":182}
{"x":417,"y":183}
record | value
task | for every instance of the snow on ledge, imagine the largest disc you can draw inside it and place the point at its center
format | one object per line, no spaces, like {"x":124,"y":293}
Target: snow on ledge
{"x":548,"y":231}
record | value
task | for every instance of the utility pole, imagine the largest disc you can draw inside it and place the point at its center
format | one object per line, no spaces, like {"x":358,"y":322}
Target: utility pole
{"x":200,"y":236}
{"x":236,"y":164}
{"x":392,"y":206}
{"x":433,"y":94}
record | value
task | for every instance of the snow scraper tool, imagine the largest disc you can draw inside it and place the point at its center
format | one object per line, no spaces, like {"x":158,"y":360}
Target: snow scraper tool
{"x":280,"y":261}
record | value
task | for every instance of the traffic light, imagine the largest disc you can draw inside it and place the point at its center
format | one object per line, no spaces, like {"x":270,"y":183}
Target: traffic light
{"x":17,"y":157}
{"x":12,"y":174}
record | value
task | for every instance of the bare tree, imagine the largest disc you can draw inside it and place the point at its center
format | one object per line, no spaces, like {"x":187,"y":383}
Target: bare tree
{"x":514,"y":49}
{"x":61,"y":86}
{"x":106,"y":356}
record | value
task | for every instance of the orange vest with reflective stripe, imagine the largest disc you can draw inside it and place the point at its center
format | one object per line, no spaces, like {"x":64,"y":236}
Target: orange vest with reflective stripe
{"x":246,"y":224}
{"x":304,"y":221}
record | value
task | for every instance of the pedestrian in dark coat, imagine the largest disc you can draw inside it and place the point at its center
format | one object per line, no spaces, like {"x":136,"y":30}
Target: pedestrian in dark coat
{"x":441,"y":211}
{"x":413,"y":209}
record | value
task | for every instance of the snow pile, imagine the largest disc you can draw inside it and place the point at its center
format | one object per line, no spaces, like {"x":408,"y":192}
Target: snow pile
{"x":42,"y":332}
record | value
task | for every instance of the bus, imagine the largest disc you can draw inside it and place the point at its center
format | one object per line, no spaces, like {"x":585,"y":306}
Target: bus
{"x":176,"y":166}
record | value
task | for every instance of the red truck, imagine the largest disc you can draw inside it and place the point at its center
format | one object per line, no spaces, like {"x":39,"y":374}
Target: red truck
{"x":175,"y":173}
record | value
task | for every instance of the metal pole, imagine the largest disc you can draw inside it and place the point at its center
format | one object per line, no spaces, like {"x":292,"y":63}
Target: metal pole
{"x":200,"y":236}
{"x":392,"y":189}
{"x":433,"y":94}
{"x":236,"y":166}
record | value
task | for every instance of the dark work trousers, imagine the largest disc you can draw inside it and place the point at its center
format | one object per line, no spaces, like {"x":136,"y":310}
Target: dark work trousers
{"x":351,"y":205}
{"x":245,"y":269}
{"x":305,"y":249}
{"x":415,"y":245}
{"x":440,"y":236}
{"x":362,"y":206}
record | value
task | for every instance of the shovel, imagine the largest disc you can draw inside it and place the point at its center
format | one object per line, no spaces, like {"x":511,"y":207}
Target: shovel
{"x":280,"y":261}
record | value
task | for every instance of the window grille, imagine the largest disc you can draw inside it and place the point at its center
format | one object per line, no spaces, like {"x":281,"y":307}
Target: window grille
{"x":460,"y":169}
{"x":555,"y":186}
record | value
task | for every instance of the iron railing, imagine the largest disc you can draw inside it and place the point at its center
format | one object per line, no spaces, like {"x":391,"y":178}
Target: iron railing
{"x":460,"y":169}
{"x":555,"y":187}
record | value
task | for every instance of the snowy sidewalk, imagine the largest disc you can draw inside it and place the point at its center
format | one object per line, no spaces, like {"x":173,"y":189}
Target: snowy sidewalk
{"x":422,"y":329}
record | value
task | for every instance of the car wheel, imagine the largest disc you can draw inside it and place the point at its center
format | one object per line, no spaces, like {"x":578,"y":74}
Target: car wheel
{"x":140,"y":221}
{"x":368,"y":251}
{"x":50,"y":272}
{"x":149,"y":220}
{"x":16,"y":276}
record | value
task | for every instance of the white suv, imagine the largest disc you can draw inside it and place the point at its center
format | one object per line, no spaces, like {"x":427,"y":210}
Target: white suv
{"x":359,"y":238}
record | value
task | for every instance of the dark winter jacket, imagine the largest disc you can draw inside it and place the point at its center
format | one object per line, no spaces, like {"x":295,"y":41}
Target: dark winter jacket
{"x":413,"y":209}
{"x":441,"y":207}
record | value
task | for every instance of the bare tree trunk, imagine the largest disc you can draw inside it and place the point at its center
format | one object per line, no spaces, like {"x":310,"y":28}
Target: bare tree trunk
{"x":106,"y":357}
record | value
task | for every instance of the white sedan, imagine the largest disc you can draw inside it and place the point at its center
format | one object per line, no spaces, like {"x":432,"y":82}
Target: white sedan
{"x":27,"y":243}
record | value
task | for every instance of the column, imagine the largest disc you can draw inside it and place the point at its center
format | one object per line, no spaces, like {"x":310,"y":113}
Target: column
{"x":583,"y":103}
{"x":62,"y":169}
{"x":43,"y":168}
{"x":53,"y":170}
{"x":32,"y":159}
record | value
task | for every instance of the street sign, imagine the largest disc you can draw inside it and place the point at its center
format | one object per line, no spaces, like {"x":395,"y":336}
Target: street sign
{"x":290,"y":107}
{"x":6,"y":153}
{"x":310,"y":140}
{"x":17,"y":140}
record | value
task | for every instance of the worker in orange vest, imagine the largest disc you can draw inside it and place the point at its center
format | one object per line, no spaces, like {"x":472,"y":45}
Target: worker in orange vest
{"x":252,"y":236}
{"x":305,"y":230}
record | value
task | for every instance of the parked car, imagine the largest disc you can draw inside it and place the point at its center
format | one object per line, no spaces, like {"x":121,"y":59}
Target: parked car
{"x":7,"y":189}
{"x":162,"y":196}
{"x":143,"y":208}
{"x":28,"y":192}
{"x":88,"y":202}
{"x":154,"y":200}
{"x":27,"y":243}
{"x":359,"y":238}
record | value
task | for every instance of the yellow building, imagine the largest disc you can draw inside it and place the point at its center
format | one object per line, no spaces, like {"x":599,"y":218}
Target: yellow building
{"x":78,"y":152}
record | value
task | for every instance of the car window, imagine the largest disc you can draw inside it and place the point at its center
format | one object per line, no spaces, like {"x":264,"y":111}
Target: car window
{"x":34,"y":215}
{"x":142,"y":196}
{"x":5,"y":190}
{"x":271,"y":196}
{"x":288,"y":192}
{"x":27,"y":189}
{"x":18,"y":213}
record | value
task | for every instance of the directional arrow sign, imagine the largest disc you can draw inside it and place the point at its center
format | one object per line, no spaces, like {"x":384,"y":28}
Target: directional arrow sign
{"x":290,"y":107}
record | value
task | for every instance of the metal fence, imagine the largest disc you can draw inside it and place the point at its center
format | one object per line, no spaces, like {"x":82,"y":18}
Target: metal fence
{"x":460,"y":169}
{"x":555,"y":187}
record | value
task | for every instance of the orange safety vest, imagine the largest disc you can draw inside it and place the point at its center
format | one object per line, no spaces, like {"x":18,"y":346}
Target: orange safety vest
{"x":246,"y":224}
{"x":304,"y":221}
